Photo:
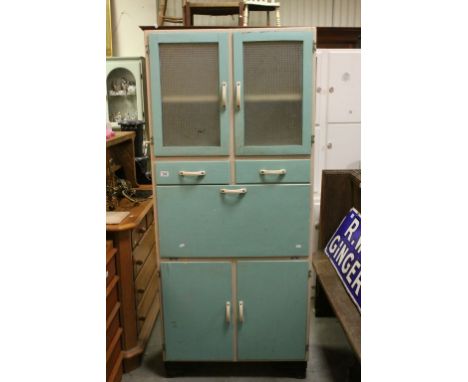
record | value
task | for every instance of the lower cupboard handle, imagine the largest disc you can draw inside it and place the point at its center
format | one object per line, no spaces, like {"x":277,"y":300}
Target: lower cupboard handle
{"x":192,"y":173}
{"x":241,"y":311}
{"x":273,"y":172}
{"x":228,"y":312}
{"x":237,"y":191}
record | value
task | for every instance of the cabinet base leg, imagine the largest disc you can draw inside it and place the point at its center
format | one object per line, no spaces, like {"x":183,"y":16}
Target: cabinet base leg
{"x":291,"y":369}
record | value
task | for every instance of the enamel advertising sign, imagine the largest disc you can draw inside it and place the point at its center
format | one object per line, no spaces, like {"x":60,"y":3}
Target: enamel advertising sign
{"x":344,"y":252}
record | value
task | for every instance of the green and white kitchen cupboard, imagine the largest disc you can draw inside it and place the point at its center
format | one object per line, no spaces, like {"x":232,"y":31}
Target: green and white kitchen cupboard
{"x":231,"y":117}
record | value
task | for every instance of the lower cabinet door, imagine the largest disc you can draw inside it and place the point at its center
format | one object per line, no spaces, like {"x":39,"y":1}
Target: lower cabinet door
{"x":273,"y":295}
{"x":197,"y":323}
{"x":253,"y":220}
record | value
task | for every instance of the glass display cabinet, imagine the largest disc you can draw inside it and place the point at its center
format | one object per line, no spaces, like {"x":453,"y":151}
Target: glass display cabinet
{"x":231,"y":116}
{"x":125,"y":85}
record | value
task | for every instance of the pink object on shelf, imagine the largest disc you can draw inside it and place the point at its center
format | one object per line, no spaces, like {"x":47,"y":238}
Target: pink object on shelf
{"x":109,"y":132}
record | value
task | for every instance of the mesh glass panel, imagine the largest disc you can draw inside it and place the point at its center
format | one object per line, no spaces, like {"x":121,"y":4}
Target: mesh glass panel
{"x":273,"y":93}
{"x":190,"y":94}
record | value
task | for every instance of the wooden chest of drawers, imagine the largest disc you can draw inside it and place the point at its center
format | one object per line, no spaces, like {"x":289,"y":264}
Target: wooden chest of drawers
{"x":137,"y":269}
{"x":113,"y":326}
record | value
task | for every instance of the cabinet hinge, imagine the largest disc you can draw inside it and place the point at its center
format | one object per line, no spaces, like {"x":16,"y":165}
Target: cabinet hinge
{"x":310,"y":273}
{"x":147,"y":49}
{"x":159,"y":273}
{"x":307,"y":347}
{"x":314,"y":47}
{"x":152,"y":141}
{"x":164,"y":347}
{"x":312,"y":139}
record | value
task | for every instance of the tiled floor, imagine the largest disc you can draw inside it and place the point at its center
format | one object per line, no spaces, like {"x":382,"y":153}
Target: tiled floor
{"x":330,"y":357}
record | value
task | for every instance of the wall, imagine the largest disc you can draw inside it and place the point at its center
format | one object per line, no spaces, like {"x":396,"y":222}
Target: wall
{"x":128,"y":15}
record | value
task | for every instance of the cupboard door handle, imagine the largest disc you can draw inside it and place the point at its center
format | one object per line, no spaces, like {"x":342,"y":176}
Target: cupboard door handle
{"x":241,"y":311}
{"x":238,"y":95}
{"x":223,"y":94}
{"x":273,"y":172}
{"x":237,"y":191}
{"x":228,"y":312}
{"x":192,"y":173}
{"x":138,"y":262}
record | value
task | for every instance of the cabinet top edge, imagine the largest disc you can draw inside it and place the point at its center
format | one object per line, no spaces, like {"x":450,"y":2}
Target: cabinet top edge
{"x":152,"y":30}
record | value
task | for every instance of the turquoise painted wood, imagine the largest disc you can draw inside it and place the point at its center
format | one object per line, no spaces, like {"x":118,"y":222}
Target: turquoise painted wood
{"x":155,"y":40}
{"x":307,"y":38}
{"x":215,"y":172}
{"x":200,"y":221}
{"x":252,"y":171}
{"x":194,"y":311}
{"x":274,"y":296}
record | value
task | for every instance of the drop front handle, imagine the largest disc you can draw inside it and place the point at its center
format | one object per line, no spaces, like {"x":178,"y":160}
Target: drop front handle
{"x":236,"y":191}
{"x":192,"y":173}
{"x":273,"y":172}
{"x":228,"y":312}
{"x":238,"y":95}
{"x":241,"y":311}
{"x":223,"y":94}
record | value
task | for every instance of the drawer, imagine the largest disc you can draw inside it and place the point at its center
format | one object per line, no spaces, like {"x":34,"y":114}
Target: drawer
{"x":265,"y":221}
{"x":138,"y":232}
{"x":112,"y":295}
{"x":150,"y":217}
{"x":191,"y":173}
{"x":273,"y":171}
{"x":141,"y":252}
{"x":112,"y":324}
{"x":147,"y":300}
{"x":110,"y":266}
{"x":113,"y":353}
{"x":141,"y":282}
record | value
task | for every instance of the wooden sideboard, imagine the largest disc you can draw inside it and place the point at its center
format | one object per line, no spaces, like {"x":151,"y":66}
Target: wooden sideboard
{"x":137,"y":269}
{"x":113,"y":323}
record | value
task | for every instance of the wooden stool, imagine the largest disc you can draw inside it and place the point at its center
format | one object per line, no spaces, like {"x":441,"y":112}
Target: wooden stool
{"x":213,"y":9}
{"x":262,"y":5}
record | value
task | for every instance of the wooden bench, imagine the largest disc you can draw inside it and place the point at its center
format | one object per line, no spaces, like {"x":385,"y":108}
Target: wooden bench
{"x":341,"y":190}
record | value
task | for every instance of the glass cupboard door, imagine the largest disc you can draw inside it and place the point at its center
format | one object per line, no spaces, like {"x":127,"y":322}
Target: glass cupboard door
{"x":273,"y":86}
{"x":189,"y":88}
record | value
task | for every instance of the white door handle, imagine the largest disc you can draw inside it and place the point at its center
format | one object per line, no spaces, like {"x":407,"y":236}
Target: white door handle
{"x":192,"y":173}
{"x":228,"y":312}
{"x":273,"y":172}
{"x":238,"y":95}
{"x":237,"y":191}
{"x":223,"y":94}
{"x":241,"y":311}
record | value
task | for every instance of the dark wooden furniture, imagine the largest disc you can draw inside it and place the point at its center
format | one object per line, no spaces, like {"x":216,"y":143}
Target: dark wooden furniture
{"x":113,"y":324}
{"x":341,"y":190}
{"x":213,"y":9}
{"x":137,"y":268}
{"x":338,"y":38}
{"x":135,"y":265}
{"x":120,"y":156}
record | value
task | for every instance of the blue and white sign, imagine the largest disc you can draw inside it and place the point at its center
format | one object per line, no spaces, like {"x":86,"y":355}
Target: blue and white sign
{"x":344,"y":252}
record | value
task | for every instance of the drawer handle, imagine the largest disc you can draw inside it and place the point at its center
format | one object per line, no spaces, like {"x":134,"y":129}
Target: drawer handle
{"x":192,"y":173}
{"x":228,"y":312}
{"x":237,"y":191}
{"x":140,"y":290}
{"x":273,"y":172}
{"x":141,"y":230}
{"x":223,"y":94}
{"x":138,"y":262}
{"x":241,"y":311}
{"x":142,"y":318}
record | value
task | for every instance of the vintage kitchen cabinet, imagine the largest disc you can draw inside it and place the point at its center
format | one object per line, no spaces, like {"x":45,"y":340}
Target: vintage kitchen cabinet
{"x":231,"y":116}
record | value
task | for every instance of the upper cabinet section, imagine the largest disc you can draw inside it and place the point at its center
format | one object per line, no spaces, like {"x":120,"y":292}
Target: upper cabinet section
{"x":189,"y":87}
{"x":257,"y":82}
{"x":273,"y":82}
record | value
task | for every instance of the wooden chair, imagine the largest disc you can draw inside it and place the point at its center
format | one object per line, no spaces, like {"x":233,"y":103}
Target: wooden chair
{"x":221,"y":8}
{"x":162,"y":18}
{"x":264,"y":6}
